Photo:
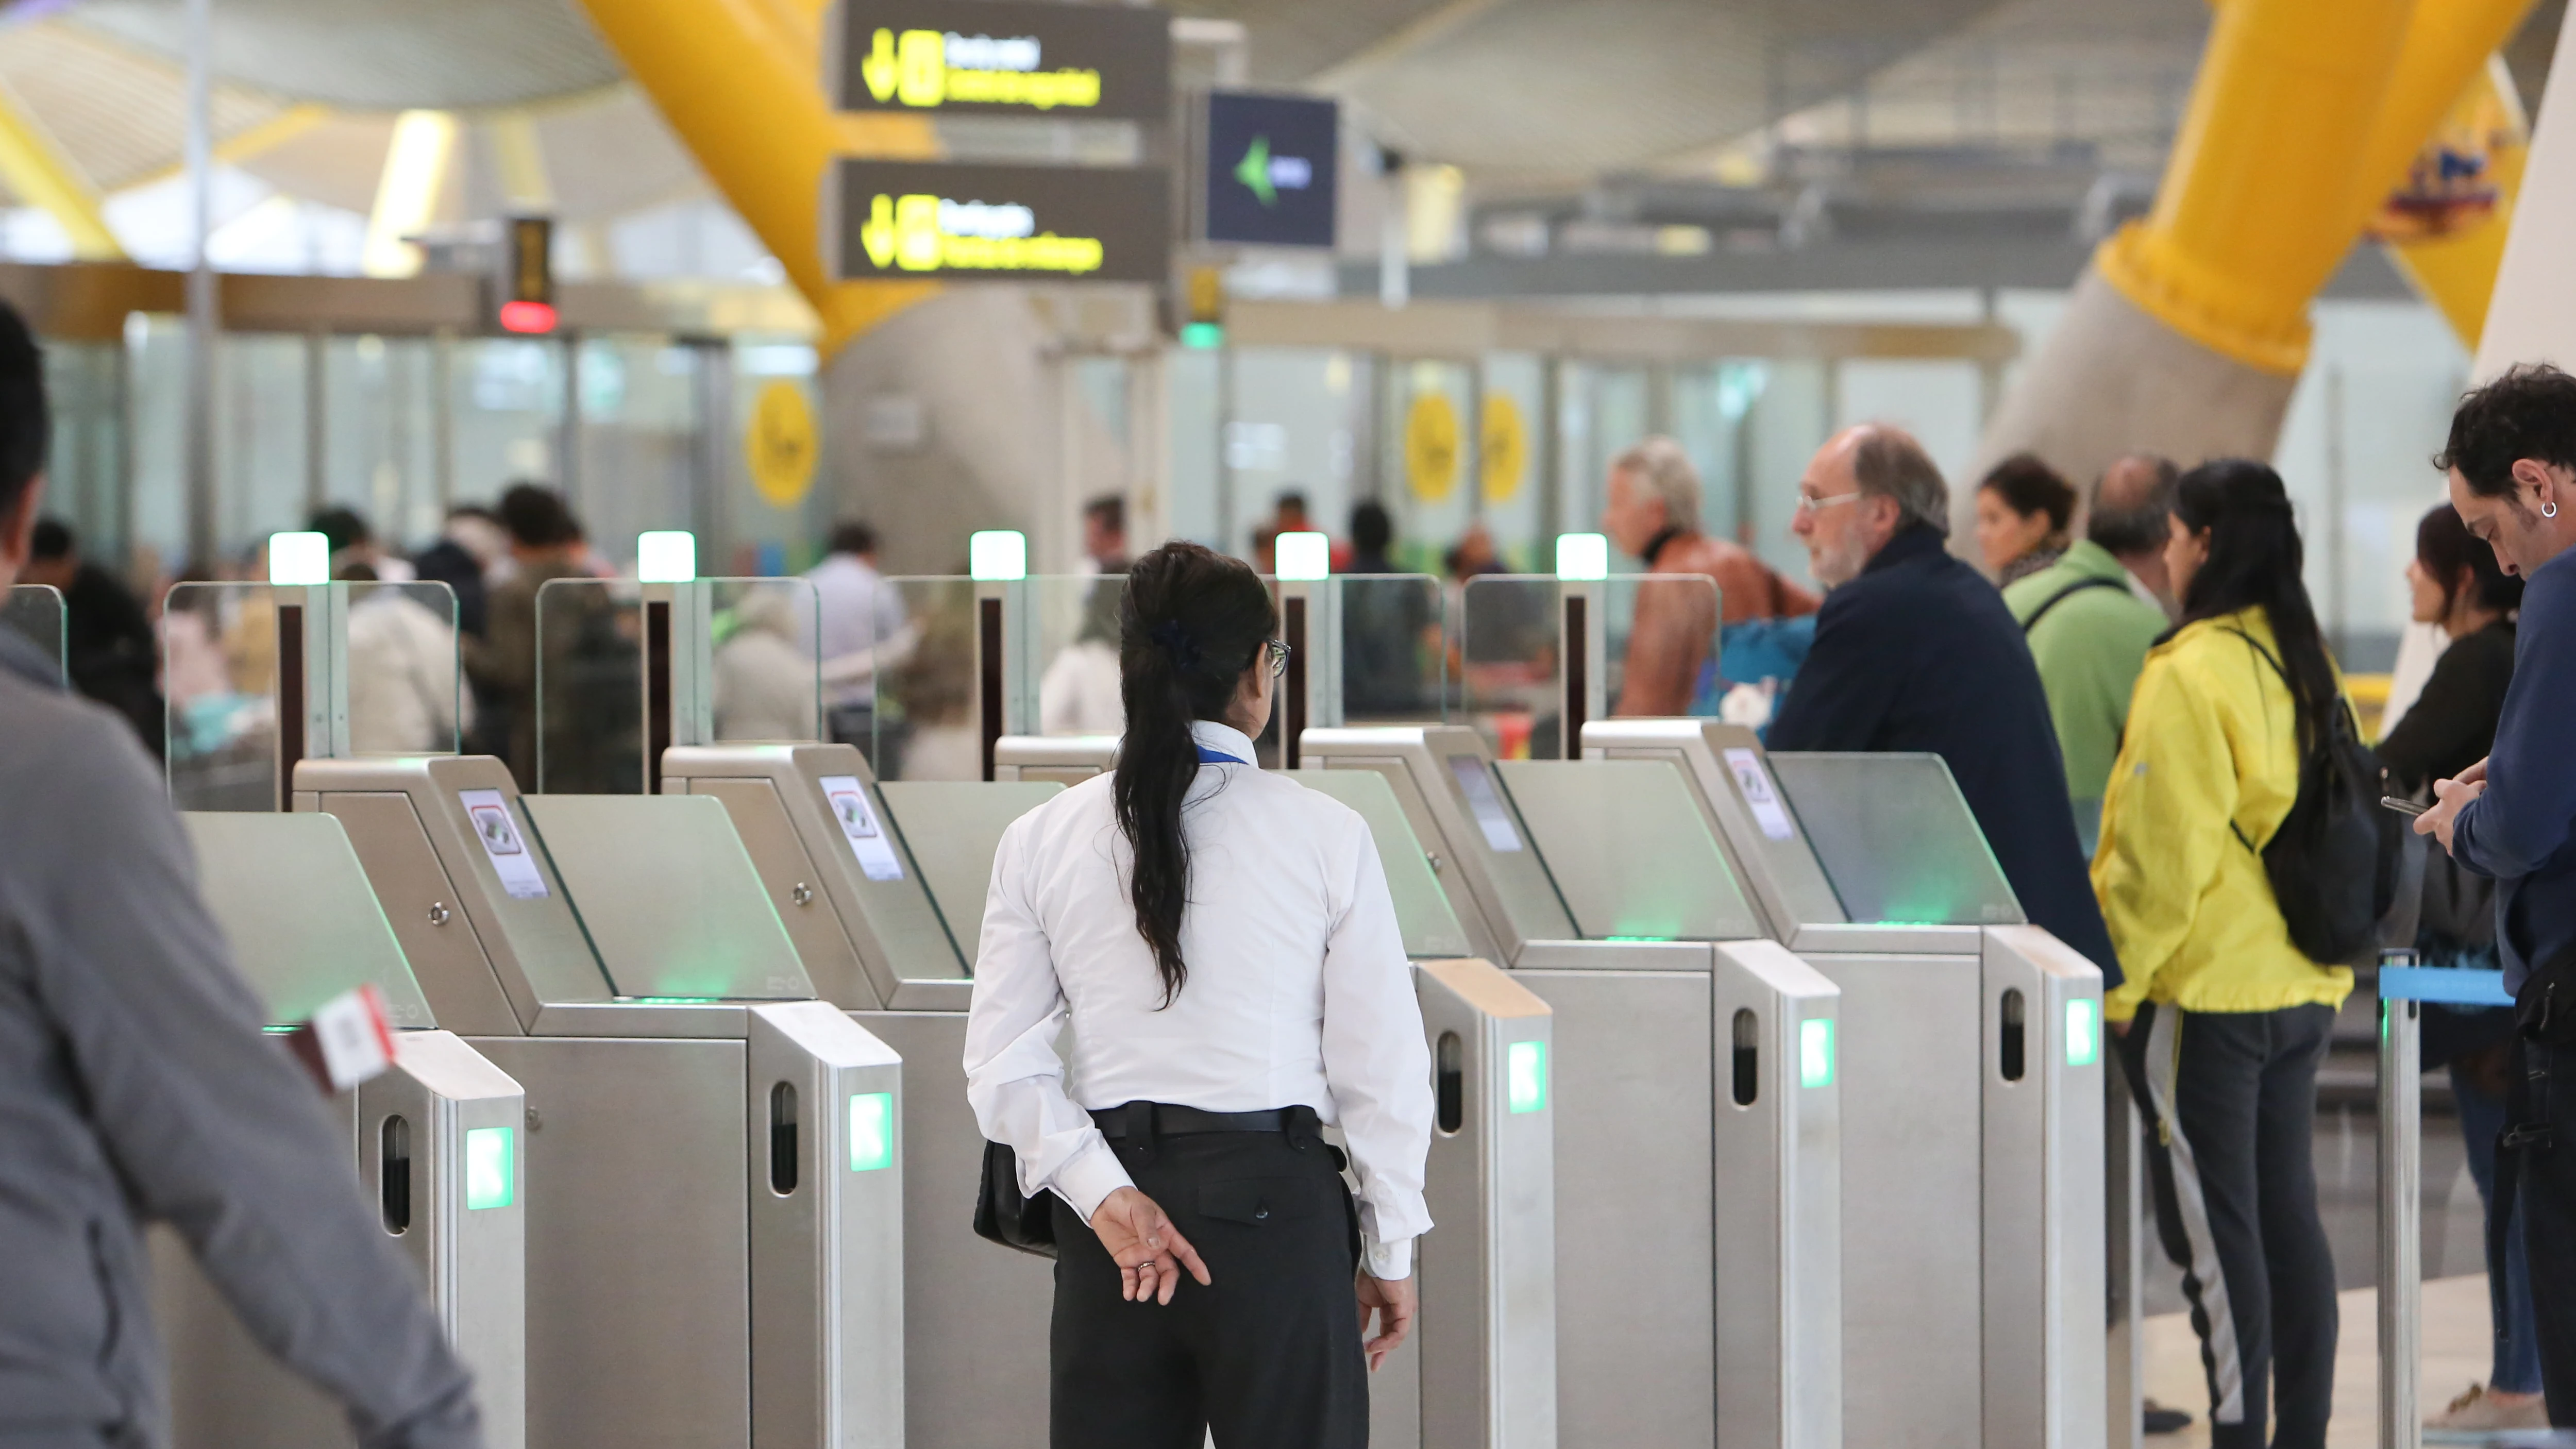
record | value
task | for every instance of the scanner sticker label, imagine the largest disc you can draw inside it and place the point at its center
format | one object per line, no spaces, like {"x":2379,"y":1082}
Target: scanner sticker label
{"x":1755,"y":782}
{"x":876,"y":854}
{"x":502,"y":841}
{"x":1484,"y":803}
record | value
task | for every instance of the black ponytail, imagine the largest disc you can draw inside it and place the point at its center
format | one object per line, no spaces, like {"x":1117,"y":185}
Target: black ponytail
{"x":1191,"y":622}
{"x":2254,"y":562}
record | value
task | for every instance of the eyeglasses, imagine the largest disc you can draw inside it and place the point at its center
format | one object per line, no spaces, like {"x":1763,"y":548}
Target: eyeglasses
{"x":1810,"y":504}
{"x":1278,"y":651}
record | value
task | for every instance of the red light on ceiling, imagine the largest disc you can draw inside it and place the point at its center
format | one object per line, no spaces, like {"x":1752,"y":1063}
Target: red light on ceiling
{"x":527,"y":317}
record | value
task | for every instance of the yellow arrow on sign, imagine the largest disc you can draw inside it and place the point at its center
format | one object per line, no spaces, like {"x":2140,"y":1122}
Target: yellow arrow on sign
{"x":878,"y":235}
{"x":879,"y":68}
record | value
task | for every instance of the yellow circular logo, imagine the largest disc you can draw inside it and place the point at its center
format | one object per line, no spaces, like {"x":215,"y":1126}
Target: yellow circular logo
{"x":780,"y":446}
{"x":1431,"y":447}
{"x":1502,"y":448}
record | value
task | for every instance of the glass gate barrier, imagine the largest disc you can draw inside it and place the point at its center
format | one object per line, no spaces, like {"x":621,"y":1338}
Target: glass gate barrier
{"x":34,"y":612}
{"x":1649,"y":645}
{"x":1373,"y":649}
{"x":386,"y":653}
{"x":742,"y":663}
{"x":1896,"y":840}
{"x":919,"y":712}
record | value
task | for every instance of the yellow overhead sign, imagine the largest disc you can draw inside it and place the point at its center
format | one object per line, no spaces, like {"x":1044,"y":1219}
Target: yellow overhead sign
{"x":904,"y":219}
{"x":932,"y":233}
{"x":1000,"y":57}
{"x":921,"y":68}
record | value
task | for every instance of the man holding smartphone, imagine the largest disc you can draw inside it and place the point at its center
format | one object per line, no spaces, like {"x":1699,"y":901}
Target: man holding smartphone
{"x":2512,"y":816}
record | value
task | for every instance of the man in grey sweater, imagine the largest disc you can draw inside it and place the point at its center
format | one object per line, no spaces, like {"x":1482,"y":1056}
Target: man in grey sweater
{"x":136,"y":1087}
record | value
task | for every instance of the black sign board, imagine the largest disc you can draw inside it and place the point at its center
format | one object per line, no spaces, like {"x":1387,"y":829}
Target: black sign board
{"x":1005,"y":57}
{"x":966,"y":222}
{"x":1269,"y":165}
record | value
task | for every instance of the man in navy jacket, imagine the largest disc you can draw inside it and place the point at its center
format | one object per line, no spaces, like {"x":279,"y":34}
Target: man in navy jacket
{"x":1915,"y":651}
{"x":2512,"y":815}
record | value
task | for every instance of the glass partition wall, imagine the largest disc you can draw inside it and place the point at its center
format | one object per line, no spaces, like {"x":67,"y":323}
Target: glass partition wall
{"x":638,"y":429}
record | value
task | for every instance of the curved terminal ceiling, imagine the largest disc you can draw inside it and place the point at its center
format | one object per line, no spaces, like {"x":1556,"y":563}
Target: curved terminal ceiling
{"x":1535,"y":88}
{"x":1553,"y":88}
{"x":380,"y":54}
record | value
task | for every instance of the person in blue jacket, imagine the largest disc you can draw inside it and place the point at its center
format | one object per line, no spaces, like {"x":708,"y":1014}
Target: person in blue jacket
{"x":2512,"y":818}
{"x":1915,"y":651}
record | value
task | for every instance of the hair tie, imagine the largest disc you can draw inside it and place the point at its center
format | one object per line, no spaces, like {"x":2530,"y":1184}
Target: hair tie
{"x":1176,"y":644}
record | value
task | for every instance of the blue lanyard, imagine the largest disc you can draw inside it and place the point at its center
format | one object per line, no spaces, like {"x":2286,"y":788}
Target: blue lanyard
{"x":1211,"y":757}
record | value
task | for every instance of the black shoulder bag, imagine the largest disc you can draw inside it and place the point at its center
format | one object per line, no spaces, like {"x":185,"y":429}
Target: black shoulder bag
{"x":2333,"y":869}
{"x":1003,"y":1215}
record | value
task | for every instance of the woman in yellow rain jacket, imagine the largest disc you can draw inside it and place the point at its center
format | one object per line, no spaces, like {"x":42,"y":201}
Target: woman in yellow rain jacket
{"x":2224,"y":1021}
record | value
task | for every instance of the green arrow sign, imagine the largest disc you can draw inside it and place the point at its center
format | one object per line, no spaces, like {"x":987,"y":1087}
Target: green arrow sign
{"x":1254,"y":171}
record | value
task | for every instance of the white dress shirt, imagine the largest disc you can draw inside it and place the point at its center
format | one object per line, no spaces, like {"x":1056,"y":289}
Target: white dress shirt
{"x":1299,"y":992}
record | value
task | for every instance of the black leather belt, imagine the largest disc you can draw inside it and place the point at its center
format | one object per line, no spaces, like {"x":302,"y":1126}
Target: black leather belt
{"x":1168,"y":1120}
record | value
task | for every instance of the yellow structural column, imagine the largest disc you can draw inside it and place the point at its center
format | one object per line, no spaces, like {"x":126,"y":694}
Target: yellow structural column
{"x":748,"y":102}
{"x":2255,"y":209}
{"x":2456,"y":270}
{"x":2447,"y":43}
{"x":43,"y":177}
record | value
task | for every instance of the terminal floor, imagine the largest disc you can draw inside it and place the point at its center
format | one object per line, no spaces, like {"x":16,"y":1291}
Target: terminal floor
{"x":2455,"y":1356}
{"x":2455,"y":1326}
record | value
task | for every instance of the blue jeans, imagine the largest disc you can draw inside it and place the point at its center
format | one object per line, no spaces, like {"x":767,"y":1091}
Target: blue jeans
{"x":2517,"y":1335}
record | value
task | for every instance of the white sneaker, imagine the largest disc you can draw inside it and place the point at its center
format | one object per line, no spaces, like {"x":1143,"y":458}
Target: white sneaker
{"x":2480,"y":1411}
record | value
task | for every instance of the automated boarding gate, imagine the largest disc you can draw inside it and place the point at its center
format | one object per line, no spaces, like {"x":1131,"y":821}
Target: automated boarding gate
{"x":434,"y":1140}
{"x":1698,"y":1087}
{"x":1871,"y":868}
{"x":718,"y":1240}
{"x":884,"y":884}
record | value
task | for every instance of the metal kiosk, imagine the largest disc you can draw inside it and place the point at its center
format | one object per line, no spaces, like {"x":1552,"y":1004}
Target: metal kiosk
{"x":717,"y":1248}
{"x":1974,"y":1081}
{"x":883,"y":885}
{"x":1697,"y":1084}
{"x":434,"y":1141}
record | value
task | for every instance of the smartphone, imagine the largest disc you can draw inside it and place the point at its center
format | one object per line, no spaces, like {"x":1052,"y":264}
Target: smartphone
{"x":2402,"y":807}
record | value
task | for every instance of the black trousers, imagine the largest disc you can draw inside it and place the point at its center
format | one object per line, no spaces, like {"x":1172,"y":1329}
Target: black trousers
{"x":1266,"y":1358}
{"x":2538,"y":1157}
{"x":2230,"y":1101}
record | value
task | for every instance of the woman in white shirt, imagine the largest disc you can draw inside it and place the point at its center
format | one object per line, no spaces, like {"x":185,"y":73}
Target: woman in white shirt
{"x":1223,"y":946}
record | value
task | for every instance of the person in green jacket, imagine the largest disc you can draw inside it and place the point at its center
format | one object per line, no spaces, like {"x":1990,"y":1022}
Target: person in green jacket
{"x":2089,"y":622}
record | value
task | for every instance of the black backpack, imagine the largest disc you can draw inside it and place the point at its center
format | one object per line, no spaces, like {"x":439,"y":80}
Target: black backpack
{"x":2333,"y":869}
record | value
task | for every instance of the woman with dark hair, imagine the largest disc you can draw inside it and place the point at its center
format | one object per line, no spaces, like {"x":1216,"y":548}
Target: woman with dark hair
{"x":2023,"y":509}
{"x":2456,"y":584}
{"x":2223,"y":1019}
{"x":1222,"y":945}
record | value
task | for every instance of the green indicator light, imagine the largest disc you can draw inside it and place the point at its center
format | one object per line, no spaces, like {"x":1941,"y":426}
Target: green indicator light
{"x":871,"y":1131}
{"x":1203,"y":336}
{"x":1525,"y":1072}
{"x":674,"y":1000}
{"x":490,"y":1181}
{"x":1656,"y":940}
{"x":1816,"y":1052}
{"x":2083,"y":1034}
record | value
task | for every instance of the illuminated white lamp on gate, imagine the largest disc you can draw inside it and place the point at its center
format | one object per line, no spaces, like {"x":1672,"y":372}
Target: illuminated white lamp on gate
{"x":299,"y":558}
{"x":1304,"y":557}
{"x":1582,"y":557}
{"x":666,"y":556}
{"x":998,"y":555}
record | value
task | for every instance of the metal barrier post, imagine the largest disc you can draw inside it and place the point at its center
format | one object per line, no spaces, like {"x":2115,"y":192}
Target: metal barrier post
{"x":2403,"y":988}
{"x":2401,"y":1180}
